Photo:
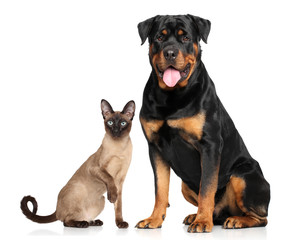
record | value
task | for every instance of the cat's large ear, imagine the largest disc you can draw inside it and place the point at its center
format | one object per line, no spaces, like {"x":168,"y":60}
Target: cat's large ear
{"x":106,"y":108}
{"x":129,"y":109}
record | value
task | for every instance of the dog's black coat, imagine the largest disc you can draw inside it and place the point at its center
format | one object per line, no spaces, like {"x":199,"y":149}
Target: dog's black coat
{"x":197,"y":160}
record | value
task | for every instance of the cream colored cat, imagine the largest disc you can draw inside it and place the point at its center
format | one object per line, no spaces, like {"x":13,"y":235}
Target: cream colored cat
{"x":82,"y":200}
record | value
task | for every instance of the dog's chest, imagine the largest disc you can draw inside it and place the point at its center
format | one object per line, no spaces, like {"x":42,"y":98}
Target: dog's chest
{"x":176,"y":140}
{"x":181,"y":155}
{"x":189,"y":128}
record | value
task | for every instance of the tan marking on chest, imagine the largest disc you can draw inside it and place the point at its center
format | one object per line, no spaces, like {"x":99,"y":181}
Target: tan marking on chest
{"x":191,"y":125}
{"x":151,"y":127}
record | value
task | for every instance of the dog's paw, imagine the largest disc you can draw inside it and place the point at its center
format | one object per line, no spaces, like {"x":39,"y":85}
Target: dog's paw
{"x":243,"y":222}
{"x":199,"y":226}
{"x":233,"y":222}
{"x":151,"y":223}
{"x":189,"y":219}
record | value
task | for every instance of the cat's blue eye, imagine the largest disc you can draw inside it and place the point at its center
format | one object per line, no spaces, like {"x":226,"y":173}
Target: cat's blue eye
{"x":123,"y":123}
{"x":110,"y":123}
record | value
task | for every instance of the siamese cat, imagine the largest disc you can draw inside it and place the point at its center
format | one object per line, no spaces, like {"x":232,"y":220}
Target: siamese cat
{"x":82,"y":200}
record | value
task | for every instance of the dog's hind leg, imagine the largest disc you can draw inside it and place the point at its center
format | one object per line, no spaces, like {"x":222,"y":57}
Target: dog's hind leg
{"x":252,"y":195}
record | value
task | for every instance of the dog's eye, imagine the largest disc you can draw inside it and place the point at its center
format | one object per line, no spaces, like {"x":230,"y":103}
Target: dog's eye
{"x":160,"y":38}
{"x":185,"y":39}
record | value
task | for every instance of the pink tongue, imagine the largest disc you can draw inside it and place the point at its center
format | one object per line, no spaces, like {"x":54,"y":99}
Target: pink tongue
{"x":171,"y":77}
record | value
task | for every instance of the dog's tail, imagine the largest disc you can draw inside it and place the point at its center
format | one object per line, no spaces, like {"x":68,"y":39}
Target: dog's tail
{"x":32,"y":215}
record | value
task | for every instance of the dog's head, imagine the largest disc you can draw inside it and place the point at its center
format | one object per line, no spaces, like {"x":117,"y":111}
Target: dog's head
{"x":174,"y":46}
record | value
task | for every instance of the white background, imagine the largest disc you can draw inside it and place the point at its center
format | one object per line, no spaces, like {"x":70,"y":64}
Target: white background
{"x":58,"y":59}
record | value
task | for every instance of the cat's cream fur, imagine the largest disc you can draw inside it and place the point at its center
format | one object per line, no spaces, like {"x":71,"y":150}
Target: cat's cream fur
{"x":81,"y":200}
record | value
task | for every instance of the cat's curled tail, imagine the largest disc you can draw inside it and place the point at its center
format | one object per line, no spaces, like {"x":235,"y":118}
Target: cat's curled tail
{"x":32,"y":215}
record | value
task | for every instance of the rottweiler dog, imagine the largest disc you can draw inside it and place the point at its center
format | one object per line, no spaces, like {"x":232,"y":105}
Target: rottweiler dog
{"x":188,"y":129}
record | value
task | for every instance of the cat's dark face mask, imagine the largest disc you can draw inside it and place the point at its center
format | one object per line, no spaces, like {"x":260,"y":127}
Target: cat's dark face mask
{"x":118,"y":124}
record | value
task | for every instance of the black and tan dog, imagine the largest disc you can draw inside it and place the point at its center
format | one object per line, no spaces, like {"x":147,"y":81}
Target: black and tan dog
{"x":189,"y":130}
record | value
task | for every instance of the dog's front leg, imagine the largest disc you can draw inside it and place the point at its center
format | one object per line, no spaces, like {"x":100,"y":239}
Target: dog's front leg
{"x":210,"y":159}
{"x":162,"y":175}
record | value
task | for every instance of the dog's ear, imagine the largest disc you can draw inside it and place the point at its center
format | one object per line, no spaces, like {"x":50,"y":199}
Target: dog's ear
{"x":203,"y":26}
{"x":145,"y":27}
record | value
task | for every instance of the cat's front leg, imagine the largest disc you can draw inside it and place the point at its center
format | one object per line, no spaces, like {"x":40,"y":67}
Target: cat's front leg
{"x":118,"y":210}
{"x":102,"y":175}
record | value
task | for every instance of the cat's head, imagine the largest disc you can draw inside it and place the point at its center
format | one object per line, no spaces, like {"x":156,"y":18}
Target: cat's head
{"x":118,"y":124}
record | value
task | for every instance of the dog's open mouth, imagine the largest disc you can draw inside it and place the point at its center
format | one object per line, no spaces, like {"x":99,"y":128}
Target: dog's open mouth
{"x":172,"y":76}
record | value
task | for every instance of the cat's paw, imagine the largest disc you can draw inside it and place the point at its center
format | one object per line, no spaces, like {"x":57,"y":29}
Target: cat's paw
{"x":97,"y":222}
{"x":122,"y":224}
{"x":112,"y":194}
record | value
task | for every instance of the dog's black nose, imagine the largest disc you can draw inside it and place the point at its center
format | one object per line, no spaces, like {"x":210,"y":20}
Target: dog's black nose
{"x":170,"y":53}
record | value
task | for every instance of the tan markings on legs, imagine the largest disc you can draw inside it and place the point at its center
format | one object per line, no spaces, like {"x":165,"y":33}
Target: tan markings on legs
{"x":151,"y":127}
{"x":163,"y":177}
{"x":250,"y":218}
{"x":191,"y":197}
{"x":228,"y":200}
{"x":161,"y":198}
{"x":204,"y":217}
{"x":238,"y":185}
{"x":191,"y":125}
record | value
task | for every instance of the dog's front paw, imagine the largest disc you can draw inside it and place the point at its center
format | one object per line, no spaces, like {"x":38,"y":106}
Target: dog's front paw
{"x":189,"y":219}
{"x":151,"y":222}
{"x":200,"y":226}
